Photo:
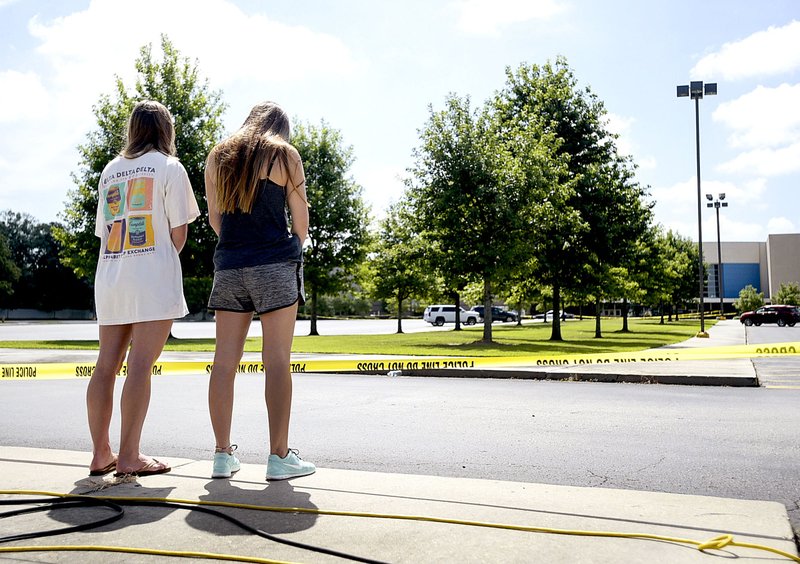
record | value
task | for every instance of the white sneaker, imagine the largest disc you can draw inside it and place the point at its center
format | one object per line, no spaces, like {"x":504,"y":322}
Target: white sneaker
{"x":225,"y":464}
{"x":290,"y":466}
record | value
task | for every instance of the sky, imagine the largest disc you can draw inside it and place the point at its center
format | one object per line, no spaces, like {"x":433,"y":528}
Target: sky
{"x":373,"y":70}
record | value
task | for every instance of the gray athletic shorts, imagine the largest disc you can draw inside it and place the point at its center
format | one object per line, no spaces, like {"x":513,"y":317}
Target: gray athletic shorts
{"x":258,"y":289}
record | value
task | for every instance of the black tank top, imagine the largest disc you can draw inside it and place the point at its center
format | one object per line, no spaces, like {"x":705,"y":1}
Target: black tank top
{"x":261,"y":236}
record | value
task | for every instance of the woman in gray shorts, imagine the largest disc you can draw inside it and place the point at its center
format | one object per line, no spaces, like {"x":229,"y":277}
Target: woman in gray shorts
{"x":252,"y":177}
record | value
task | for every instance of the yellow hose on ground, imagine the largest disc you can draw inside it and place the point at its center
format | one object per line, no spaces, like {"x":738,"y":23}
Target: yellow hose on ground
{"x":136,"y":550}
{"x":715,"y":543}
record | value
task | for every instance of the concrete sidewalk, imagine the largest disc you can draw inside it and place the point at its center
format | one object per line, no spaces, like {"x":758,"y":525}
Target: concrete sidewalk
{"x":389,"y":540}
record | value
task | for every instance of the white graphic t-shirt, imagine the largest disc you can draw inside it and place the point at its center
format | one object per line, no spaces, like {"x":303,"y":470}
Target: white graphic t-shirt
{"x":138,"y":272}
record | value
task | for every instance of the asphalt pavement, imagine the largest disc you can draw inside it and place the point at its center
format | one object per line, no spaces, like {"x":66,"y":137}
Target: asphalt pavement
{"x":402,"y":518}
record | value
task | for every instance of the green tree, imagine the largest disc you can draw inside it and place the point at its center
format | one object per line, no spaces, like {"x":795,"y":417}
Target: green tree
{"x":338,"y":216}
{"x":684,"y":258}
{"x":556,"y":229}
{"x":44,"y":282}
{"x":396,"y":265}
{"x":620,"y":223}
{"x":601,"y":207}
{"x":660,"y":269}
{"x":788,"y":294}
{"x":9,"y":272}
{"x":466,"y":195}
{"x":522,"y":291}
{"x":749,"y":299}
{"x":174,"y":81}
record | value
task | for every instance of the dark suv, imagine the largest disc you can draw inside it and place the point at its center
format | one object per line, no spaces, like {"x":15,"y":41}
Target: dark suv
{"x":780,"y":314}
{"x":497,"y":314}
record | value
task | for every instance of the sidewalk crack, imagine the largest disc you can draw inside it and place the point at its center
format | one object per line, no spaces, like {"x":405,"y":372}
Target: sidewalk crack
{"x":653,"y":465}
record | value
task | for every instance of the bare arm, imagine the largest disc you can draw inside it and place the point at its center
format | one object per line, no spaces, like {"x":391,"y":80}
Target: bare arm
{"x":296,"y":196}
{"x":214,"y":217}
{"x":179,"y":235}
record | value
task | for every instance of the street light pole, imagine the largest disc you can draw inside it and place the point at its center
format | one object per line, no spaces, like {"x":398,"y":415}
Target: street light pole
{"x":695,"y":90}
{"x":718,"y":204}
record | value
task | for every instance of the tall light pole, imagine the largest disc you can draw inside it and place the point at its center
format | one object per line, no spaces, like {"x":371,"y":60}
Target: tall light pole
{"x":718,"y":203}
{"x":695,"y":90}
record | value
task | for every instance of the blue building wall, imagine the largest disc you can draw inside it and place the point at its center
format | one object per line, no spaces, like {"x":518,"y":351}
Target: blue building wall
{"x":736,"y":276}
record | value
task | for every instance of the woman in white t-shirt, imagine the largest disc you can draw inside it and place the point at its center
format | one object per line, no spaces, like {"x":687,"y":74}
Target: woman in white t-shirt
{"x":145,"y":205}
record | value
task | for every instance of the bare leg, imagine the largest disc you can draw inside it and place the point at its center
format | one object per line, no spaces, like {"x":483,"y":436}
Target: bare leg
{"x":114,"y":342}
{"x":231,"y":331}
{"x":147,"y":342}
{"x":278,"y":331}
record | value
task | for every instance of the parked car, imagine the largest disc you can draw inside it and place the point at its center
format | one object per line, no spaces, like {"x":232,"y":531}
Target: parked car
{"x":780,"y":314}
{"x":497,"y":314}
{"x":549,"y":315}
{"x":440,"y":314}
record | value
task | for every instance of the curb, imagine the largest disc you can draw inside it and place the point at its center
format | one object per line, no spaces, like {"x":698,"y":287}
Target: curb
{"x":576,"y":376}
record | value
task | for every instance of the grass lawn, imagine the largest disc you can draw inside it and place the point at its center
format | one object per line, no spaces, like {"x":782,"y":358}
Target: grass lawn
{"x":510,"y":340}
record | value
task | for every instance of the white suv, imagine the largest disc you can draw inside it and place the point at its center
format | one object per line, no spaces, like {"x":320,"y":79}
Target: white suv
{"x":441,"y":314}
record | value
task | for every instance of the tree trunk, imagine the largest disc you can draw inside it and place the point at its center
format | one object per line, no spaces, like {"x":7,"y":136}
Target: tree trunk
{"x":458,"y":311}
{"x":519,"y":313}
{"x":313,"y":312}
{"x":625,"y":316}
{"x":661,"y":309}
{"x":555,"y":335}
{"x":487,"y":310}
{"x":580,"y":311}
{"x":598,"y":334}
{"x":399,"y":314}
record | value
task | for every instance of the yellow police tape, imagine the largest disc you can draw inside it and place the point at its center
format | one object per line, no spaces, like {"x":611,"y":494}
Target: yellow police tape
{"x":51,"y":371}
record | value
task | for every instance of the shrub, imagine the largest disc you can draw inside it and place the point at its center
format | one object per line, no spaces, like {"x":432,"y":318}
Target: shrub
{"x":749,"y":299}
{"x":788,"y":294}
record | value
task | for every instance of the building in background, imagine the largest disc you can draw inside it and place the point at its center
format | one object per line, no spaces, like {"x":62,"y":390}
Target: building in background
{"x":765,"y":266}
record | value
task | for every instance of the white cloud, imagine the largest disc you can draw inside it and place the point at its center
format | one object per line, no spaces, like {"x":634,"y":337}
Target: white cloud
{"x":230,"y":43}
{"x":678,"y":199}
{"x":775,"y":50}
{"x":765,"y":162}
{"x":780,"y":225}
{"x":731,"y":230}
{"x":765,"y":117}
{"x":22,"y":96}
{"x":80,"y":53}
{"x":622,"y":126}
{"x":36,"y":182}
{"x":682,"y":197}
{"x":383,"y":185}
{"x":486,"y":17}
{"x":647,"y":163}
{"x":676,"y":208}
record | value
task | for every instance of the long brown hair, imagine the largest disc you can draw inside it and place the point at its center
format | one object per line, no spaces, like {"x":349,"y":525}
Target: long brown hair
{"x":149,"y":127}
{"x":240,"y":159}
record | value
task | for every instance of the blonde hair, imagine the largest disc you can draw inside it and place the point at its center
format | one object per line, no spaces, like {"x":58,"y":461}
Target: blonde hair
{"x":240,"y":159}
{"x":149,"y":127}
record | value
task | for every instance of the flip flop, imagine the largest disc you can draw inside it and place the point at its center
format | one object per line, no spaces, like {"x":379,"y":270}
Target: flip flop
{"x":104,"y":470}
{"x":150,"y":469}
